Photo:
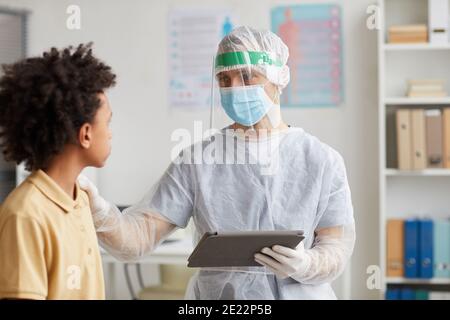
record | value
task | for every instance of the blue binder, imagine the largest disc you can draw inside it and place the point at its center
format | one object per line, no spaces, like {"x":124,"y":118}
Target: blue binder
{"x":393,"y":294}
{"x":407,"y":294}
{"x":426,"y":249}
{"x":441,"y":253}
{"x":411,"y":248}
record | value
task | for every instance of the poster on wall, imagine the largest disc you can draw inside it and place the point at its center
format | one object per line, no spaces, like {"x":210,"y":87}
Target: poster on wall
{"x":193,"y":38}
{"x":314,"y":37}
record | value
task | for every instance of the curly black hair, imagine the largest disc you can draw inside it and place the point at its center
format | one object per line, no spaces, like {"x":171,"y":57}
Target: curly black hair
{"x":45,"y":100}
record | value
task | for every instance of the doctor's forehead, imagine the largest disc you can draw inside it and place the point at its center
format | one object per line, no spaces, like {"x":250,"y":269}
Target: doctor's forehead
{"x":237,"y":73}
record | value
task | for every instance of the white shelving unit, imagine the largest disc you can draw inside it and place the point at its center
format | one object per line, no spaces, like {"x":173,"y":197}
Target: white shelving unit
{"x":414,"y":46}
{"x":402,"y":194}
{"x":395,"y":280}
{"x":417,"y":173}
{"x":399,"y":101}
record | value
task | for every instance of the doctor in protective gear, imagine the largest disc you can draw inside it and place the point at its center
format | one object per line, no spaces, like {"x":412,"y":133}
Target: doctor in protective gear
{"x":308,"y":190}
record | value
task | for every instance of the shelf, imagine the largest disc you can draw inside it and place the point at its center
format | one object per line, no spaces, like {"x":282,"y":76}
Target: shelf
{"x":416,"y":101}
{"x":395,"y":280}
{"x":415,"y":46}
{"x":407,"y":193}
{"x":418,"y":173}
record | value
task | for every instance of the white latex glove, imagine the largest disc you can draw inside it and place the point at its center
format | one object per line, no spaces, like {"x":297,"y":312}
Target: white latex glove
{"x":97,"y":203}
{"x":283,"y":261}
{"x":322,"y":263}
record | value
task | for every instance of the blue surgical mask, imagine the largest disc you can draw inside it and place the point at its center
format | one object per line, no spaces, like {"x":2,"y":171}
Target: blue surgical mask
{"x":245,"y":105}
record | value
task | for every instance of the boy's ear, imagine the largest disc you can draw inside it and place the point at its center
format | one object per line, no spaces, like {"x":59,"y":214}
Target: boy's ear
{"x":85,"y":136}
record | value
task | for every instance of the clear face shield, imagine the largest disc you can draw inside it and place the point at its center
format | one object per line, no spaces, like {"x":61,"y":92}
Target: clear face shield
{"x":243,"y":99}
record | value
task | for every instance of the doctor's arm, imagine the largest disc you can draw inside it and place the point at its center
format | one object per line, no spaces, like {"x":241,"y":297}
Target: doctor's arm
{"x":130,"y":234}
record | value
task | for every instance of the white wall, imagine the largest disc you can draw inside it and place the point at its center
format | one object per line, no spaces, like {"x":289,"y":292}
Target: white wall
{"x":131,"y":36}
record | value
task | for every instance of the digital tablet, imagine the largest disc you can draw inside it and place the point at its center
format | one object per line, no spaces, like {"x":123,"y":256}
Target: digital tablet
{"x":237,"y":249}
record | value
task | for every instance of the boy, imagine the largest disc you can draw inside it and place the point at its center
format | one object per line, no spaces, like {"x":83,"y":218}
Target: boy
{"x":54,"y":117}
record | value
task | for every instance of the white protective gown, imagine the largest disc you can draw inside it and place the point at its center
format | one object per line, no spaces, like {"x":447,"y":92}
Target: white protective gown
{"x":305,"y":189}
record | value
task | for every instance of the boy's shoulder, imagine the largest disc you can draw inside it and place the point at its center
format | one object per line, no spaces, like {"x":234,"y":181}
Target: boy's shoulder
{"x":24,"y":201}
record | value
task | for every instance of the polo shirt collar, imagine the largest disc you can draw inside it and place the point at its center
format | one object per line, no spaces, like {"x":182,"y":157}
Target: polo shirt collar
{"x":54,"y":192}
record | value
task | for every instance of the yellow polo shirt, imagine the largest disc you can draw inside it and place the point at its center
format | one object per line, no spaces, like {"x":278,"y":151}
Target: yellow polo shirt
{"x":48,"y":245}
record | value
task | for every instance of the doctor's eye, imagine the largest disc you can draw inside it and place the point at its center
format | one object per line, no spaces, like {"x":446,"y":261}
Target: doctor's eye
{"x":223,"y":81}
{"x":247,"y":77}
